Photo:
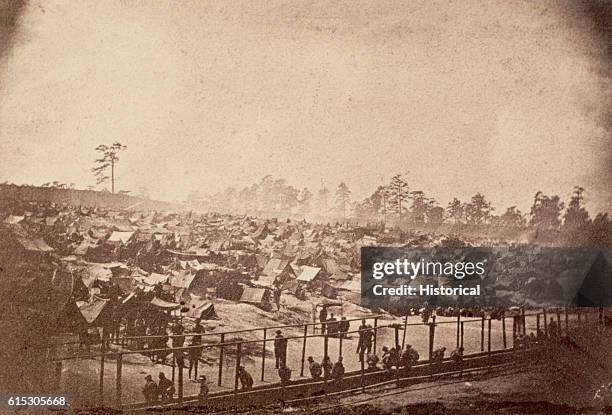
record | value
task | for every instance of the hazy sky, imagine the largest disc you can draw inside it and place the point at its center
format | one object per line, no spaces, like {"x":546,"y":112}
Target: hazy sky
{"x":506,"y":98}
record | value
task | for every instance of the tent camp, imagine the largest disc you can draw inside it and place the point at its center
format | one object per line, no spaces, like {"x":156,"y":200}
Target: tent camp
{"x":35,"y":245}
{"x":118,"y":237}
{"x":276,"y":271}
{"x":181,"y":280}
{"x":308,"y":274}
{"x":275,"y":266}
{"x":13,"y":220}
{"x":166,"y":305}
{"x":258,"y":296}
{"x":93,"y":309}
{"x":153,"y":279}
{"x":199,"y":308}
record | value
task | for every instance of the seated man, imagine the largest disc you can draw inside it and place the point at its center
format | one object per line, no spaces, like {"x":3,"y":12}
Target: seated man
{"x":165,"y":388}
{"x":246,"y":380}
{"x":150,"y":391}
{"x":284,"y":373}
{"x":338,"y":370}
{"x":372,"y":361}
{"x":390,"y":358}
{"x":385,"y":357}
{"x":521,"y":341}
{"x":438,"y":355}
{"x":409,"y":357}
{"x":203,"y":395}
{"x":457,"y":355}
{"x":315,"y":368}
{"x":327,"y":367}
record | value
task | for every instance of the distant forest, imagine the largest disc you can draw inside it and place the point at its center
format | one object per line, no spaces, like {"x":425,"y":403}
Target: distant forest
{"x":397,"y":203}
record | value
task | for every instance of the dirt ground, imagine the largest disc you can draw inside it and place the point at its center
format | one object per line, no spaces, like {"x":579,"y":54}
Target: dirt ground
{"x":80,"y":377}
{"x":562,"y":384}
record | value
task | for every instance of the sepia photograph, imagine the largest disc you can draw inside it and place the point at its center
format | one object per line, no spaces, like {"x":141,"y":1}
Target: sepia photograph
{"x":306,"y":206}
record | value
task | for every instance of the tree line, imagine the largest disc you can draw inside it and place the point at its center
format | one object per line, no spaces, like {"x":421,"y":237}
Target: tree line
{"x":396,"y":202}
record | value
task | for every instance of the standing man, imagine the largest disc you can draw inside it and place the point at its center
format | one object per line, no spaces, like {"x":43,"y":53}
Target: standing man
{"x":280,"y":349}
{"x":196,"y":352}
{"x":363,"y":333}
{"x":368,"y":339}
{"x":344,"y":326}
{"x":178,"y":340}
{"x":277,"y":296}
{"x":323,"y":318}
{"x":332,"y":325}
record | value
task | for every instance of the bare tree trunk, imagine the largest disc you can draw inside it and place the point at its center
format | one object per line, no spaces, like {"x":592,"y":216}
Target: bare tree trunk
{"x":384,"y":206}
{"x":399,"y":202}
{"x":112,"y":177}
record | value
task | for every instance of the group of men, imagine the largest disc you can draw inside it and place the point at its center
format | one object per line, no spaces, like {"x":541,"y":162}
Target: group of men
{"x":332,"y":326}
{"x":163,"y":391}
{"x":194,"y":353}
{"x":158,"y":392}
{"x":326,"y":369}
{"x":395,"y":357}
{"x":366,"y":337}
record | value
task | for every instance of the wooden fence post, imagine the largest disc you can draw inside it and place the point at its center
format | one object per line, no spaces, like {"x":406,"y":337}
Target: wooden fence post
{"x":362,"y":375}
{"x":405,"y":329}
{"x":181,"y":363}
{"x":325,"y":344}
{"x":238,"y":356}
{"x":566,"y":320}
{"x":375,"y":332}
{"x":118,"y":384}
{"x":432,"y":333}
{"x":396,"y":328}
{"x":482,"y":330}
{"x":221,"y":350}
{"x":263,"y":354}
{"x":503,"y":319}
{"x":103,"y":350}
{"x":462,"y":323}
{"x":304,"y":349}
{"x":173,"y":366}
{"x":325,"y":355}
{"x":489,"y":340}
{"x":458,"y":328}
{"x":545,"y":322}
{"x":523,"y":321}
{"x":513,"y":333}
